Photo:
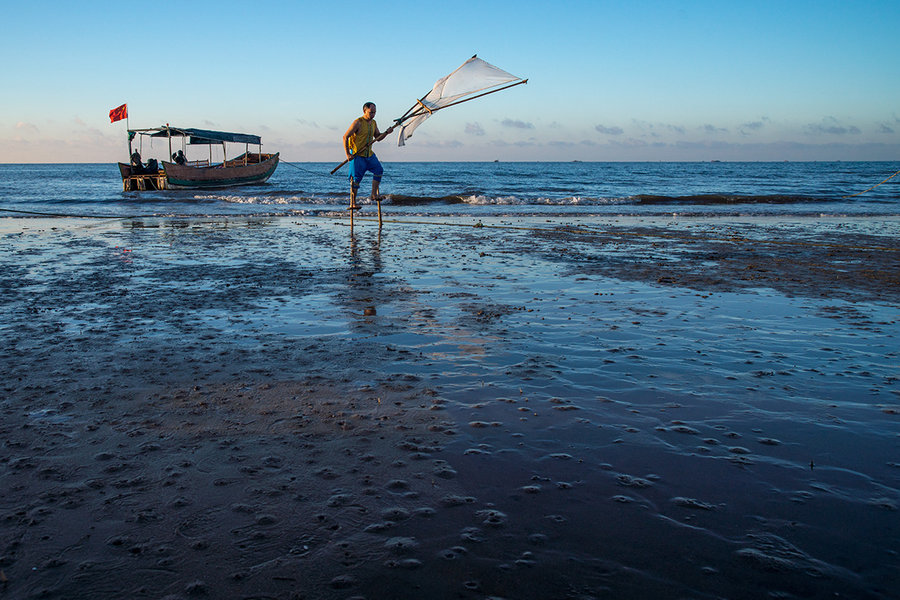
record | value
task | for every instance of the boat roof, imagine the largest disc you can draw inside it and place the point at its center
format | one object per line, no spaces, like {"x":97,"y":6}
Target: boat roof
{"x":199,"y":136}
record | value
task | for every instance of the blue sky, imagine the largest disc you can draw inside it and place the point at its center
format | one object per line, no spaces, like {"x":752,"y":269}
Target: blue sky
{"x":704,"y":80}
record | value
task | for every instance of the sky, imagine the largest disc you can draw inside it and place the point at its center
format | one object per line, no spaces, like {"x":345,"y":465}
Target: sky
{"x":608,"y":81}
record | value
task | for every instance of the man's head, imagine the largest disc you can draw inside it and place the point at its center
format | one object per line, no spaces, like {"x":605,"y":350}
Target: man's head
{"x":369,"y":110}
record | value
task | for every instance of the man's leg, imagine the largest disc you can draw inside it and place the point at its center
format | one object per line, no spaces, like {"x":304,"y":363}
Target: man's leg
{"x":354,"y":188}
{"x":377,"y":171}
{"x":355,"y":177}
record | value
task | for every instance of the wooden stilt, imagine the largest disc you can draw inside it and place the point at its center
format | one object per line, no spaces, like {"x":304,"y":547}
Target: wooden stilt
{"x":379,"y":211}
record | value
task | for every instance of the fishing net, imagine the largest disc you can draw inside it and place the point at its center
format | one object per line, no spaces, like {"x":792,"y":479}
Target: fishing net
{"x":474,"y":76}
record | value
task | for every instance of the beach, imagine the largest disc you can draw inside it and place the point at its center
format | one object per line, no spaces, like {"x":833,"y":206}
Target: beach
{"x":456,"y":407}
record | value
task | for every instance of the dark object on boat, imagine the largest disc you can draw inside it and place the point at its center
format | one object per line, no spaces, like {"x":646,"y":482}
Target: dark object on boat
{"x":141,"y":178}
{"x":247,"y":169}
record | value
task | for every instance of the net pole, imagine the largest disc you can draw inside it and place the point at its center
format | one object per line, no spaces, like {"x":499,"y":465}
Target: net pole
{"x":422,"y":109}
{"x":479,"y":95}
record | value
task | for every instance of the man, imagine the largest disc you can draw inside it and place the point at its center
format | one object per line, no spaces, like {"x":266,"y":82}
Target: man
{"x":358,"y":140}
{"x":137,"y":166}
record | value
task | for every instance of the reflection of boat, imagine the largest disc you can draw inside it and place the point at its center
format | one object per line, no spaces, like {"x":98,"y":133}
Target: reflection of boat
{"x":247,"y":169}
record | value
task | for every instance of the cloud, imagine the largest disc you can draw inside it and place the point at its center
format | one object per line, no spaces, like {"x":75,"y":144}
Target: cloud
{"x":26,"y":127}
{"x":516,"y":124}
{"x":312,"y":144}
{"x":609,"y":130}
{"x":474,"y":129}
{"x":653,"y":129}
{"x":442,"y":144}
{"x":92,"y":132}
{"x":836,"y":129}
{"x":519,"y":144}
{"x":753,"y":126}
{"x":629,"y":143}
{"x":713,"y":129}
{"x":885,"y":128}
{"x":831,"y":126}
{"x":706,"y":145}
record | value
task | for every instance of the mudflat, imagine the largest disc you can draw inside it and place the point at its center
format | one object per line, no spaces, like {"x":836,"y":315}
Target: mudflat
{"x":514,"y":408}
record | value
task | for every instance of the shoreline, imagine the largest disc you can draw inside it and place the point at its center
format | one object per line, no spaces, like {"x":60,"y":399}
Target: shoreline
{"x":234,"y":407}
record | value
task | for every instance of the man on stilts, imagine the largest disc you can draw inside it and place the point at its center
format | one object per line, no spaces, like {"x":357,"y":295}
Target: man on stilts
{"x":358,"y":141}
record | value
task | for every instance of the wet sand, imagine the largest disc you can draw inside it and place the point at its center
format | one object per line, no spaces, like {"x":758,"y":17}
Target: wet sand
{"x":528,"y":409}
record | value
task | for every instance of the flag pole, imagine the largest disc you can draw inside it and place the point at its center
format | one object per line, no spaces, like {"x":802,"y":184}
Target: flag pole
{"x":128,"y":132}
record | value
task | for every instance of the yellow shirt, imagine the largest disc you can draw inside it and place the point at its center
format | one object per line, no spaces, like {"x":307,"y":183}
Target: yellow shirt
{"x":364,"y":135}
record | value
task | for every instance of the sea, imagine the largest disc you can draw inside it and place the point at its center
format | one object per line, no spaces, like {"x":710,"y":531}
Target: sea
{"x":489,"y":189}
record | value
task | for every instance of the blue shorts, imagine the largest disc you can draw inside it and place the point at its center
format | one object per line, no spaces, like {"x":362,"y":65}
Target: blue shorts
{"x":360,"y":164}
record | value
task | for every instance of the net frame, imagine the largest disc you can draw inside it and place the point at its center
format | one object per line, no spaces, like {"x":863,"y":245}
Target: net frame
{"x":473,"y":79}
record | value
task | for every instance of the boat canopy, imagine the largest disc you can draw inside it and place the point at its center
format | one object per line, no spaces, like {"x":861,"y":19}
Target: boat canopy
{"x":200,"y":136}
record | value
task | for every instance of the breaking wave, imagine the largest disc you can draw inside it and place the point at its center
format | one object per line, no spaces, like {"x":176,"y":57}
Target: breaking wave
{"x":708,"y":199}
{"x":284,"y":198}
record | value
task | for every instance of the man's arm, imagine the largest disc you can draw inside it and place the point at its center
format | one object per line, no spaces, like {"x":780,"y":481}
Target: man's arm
{"x":380,"y":136}
{"x":350,"y":132}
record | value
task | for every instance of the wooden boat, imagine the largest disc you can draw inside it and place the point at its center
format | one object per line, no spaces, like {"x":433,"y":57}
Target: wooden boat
{"x":247,"y":169}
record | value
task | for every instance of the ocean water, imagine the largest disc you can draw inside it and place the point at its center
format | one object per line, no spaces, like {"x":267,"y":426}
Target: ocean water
{"x":481,"y":189}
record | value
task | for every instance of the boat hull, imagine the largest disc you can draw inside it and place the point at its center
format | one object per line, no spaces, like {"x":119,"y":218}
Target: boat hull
{"x":231,"y":174}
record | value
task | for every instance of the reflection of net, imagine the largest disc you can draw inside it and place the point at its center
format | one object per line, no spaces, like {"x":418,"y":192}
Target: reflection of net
{"x":475,"y":75}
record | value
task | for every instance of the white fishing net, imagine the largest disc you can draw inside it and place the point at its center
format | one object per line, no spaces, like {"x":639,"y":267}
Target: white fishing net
{"x":475,"y":75}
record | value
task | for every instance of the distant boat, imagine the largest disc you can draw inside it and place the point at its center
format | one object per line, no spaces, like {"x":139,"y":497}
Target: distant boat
{"x":246,"y":169}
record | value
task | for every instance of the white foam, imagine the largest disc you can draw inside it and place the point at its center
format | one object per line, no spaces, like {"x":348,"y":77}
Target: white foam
{"x":482,"y":200}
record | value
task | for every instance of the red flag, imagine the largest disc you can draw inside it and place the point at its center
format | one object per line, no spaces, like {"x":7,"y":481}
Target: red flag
{"x":118,"y":113}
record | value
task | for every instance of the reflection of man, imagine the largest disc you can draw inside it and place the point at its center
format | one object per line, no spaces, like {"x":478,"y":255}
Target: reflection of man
{"x":358,"y":140}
